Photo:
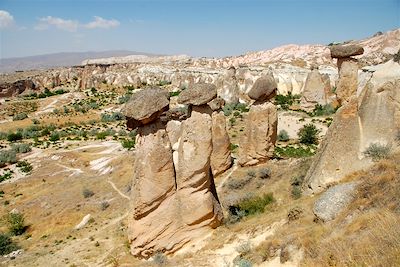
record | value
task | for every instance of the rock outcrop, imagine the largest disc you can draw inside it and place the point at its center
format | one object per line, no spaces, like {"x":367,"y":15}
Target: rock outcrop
{"x":16,"y":88}
{"x":221,"y":155}
{"x":345,"y":51}
{"x":174,"y":200}
{"x":334,"y":200}
{"x":374,"y":117}
{"x":316,"y":90}
{"x":258,"y":141}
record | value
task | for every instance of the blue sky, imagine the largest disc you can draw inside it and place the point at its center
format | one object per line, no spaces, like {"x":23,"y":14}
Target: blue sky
{"x":197,"y":28}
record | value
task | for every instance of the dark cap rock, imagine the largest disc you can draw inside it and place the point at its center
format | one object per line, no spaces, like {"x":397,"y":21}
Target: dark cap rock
{"x":343,"y":51}
{"x":147,"y":105}
{"x":198,"y":94}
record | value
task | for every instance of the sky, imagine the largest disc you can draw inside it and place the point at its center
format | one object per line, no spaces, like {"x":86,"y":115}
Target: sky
{"x":200,"y":28}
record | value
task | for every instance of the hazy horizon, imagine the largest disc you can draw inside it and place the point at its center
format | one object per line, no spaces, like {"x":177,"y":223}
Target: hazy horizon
{"x":197,"y":28}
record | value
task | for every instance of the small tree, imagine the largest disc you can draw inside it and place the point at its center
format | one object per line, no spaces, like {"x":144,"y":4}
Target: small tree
{"x":308,"y":134}
{"x":16,"y":223}
{"x":283,"y":136}
{"x":6,"y":244}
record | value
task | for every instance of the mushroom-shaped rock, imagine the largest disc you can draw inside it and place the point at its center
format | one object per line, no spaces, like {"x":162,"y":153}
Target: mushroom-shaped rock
{"x":198,"y":94}
{"x":344,"y":51}
{"x":146,"y":106}
{"x":263,"y":88}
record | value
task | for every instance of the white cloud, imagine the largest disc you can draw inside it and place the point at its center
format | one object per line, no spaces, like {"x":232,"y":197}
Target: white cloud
{"x":101,"y":23}
{"x":73,"y":25}
{"x":6,"y":19}
{"x":62,"y":24}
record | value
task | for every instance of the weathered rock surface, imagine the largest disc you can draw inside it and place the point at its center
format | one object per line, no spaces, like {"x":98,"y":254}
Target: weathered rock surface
{"x":264,"y":88}
{"x":174,"y":196}
{"x":334,"y":200}
{"x":315,"y":89}
{"x":259,"y":137}
{"x":373,"y":118}
{"x":198,"y":94}
{"x":221,"y":155}
{"x":146,"y":105}
{"x":216,"y":104}
{"x":344,"y":51}
{"x":16,"y":88}
{"x":348,"y":81}
{"x":228,"y":88}
{"x":154,"y":175}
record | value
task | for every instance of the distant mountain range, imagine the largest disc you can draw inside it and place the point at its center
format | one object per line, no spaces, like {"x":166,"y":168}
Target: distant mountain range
{"x":58,"y":60}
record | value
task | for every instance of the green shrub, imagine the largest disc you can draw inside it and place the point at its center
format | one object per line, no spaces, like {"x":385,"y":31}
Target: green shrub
{"x":54,"y":136}
{"x":243,"y":263}
{"x":6,"y":244}
{"x":115,"y":116}
{"x":233,"y":147}
{"x":159,"y":259}
{"x":12,"y":137}
{"x":16,"y":223}
{"x":20,"y":116}
{"x":163,"y":83}
{"x":104,"y":205}
{"x":285,"y":101}
{"x":7,"y":156}
{"x":296,"y":184}
{"x":376,"y":151}
{"x":128,"y":144}
{"x":21,"y":148}
{"x":235,"y":184}
{"x":294,"y":152}
{"x":283,"y":136}
{"x":87,"y":193}
{"x":256,"y":204}
{"x":101,"y":135}
{"x":123,"y":99}
{"x":229,"y":108}
{"x":264,"y":173}
{"x":308,"y":134}
{"x":320,"y":110}
{"x":176,"y":93}
{"x":24,"y":166}
{"x":5,"y":176}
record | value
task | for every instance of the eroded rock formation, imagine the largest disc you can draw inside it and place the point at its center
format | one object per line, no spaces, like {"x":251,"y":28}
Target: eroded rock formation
{"x":174,"y":196}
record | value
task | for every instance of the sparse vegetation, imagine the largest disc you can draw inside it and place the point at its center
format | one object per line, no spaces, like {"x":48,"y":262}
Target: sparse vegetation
{"x":285,"y":101}
{"x":115,"y":116}
{"x":296,"y":184}
{"x":377,"y":151}
{"x":21,"y":148}
{"x":308,"y":134}
{"x":159,"y":259}
{"x":253,"y":205}
{"x":283,"y":136}
{"x":264,"y":173}
{"x":24,"y":166}
{"x":294,"y":151}
{"x":6,"y":244}
{"x":87,"y":193}
{"x":20,"y":116}
{"x":324,"y":110}
{"x":6,"y":176}
{"x":104,"y":205}
{"x":235,"y":183}
{"x":228,"y":109}
{"x":233,"y":147}
{"x":7,"y":156}
{"x":16,"y":223}
{"x":128,"y":143}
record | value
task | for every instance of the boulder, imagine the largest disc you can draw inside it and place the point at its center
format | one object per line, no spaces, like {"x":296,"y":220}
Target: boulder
{"x":216,"y":104}
{"x":221,"y":155}
{"x":345,"y":51}
{"x":146,"y":105}
{"x":198,"y":94}
{"x":258,"y":140}
{"x":334,"y":200}
{"x":16,"y":88}
{"x":264,"y":88}
{"x":348,"y":81}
